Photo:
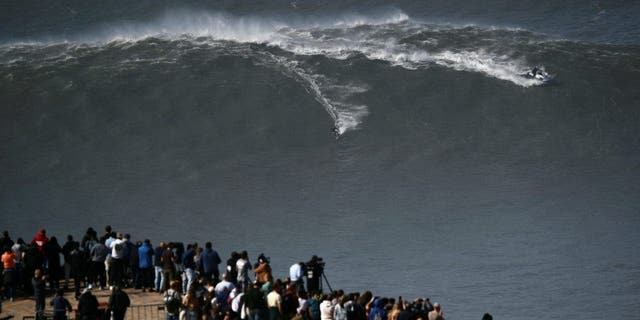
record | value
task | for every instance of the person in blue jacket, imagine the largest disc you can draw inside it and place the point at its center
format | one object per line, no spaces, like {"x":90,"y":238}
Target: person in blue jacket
{"x":210,"y":261}
{"x":145,"y":263}
{"x":377,"y":312}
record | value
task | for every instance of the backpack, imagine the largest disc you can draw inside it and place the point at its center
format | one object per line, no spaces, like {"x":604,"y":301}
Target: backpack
{"x":172,"y":302}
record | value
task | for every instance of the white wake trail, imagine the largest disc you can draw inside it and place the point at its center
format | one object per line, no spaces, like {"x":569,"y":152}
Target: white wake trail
{"x":345,"y":116}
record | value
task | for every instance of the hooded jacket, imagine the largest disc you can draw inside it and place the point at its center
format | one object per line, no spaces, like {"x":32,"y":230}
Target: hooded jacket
{"x":377,"y":312}
{"x":40,"y":240}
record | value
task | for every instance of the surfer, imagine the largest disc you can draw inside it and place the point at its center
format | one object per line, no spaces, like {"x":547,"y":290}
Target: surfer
{"x":535,"y":71}
{"x":336,"y":132}
{"x":336,"y":129}
{"x":539,"y":74}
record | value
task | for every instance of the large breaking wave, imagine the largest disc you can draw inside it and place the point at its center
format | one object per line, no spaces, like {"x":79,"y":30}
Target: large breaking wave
{"x":391,"y":37}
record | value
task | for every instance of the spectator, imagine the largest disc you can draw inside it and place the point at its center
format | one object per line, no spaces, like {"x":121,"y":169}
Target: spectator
{"x":60,"y":306}
{"x":263,"y":270}
{"x":437,"y":313}
{"x":118,"y":303}
{"x":117,"y":265}
{"x":87,"y":306}
{"x":255,"y":302}
{"x":157,"y":264}
{"x":38,"y":284}
{"x":68,"y":246}
{"x":173,"y":300}
{"x":40,"y":239}
{"x":274,"y":303}
{"x":79,"y":260}
{"x":168,"y":267}
{"x":9,"y":274}
{"x":192,"y":304}
{"x":189,"y":264}
{"x":97,"y":272}
{"x":326,"y":308}
{"x":210,"y":261}
{"x":5,"y":241}
{"x":52,"y":251}
{"x":145,"y":259}
{"x":243,"y":266}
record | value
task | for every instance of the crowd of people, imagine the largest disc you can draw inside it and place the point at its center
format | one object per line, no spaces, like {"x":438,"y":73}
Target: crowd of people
{"x":188,"y":279}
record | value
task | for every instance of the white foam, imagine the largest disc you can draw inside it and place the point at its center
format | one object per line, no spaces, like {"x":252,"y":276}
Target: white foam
{"x":345,"y":116}
{"x":499,"y":67}
{"x":222,"y":26}
{"x":411,"y":57}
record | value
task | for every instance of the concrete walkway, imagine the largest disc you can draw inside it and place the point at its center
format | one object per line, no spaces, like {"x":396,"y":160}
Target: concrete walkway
{"x":24,"y":306}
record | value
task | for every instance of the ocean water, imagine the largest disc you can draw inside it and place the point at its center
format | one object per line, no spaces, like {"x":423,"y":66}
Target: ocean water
{"x":454,"y":178}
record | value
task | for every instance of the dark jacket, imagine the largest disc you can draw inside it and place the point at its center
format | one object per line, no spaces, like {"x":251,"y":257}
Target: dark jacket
{"x":189,"y":262}
{"x":118,"y":303}
{"x":210,"y":260}
{"x":157,"y":255}
{"x":60,"y":307}
{"x":88,"y":306}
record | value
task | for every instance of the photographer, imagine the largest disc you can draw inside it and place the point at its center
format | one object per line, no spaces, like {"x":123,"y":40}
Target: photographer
{"x":296,"y":272}
{"x":263,"y":270}
{"x":315,"y":268}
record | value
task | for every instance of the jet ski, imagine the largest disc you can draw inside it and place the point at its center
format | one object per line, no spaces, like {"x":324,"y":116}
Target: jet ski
{"x":538,"y":73}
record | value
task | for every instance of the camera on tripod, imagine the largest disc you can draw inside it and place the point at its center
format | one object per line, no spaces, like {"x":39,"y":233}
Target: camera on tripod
{"x":315,"y":273}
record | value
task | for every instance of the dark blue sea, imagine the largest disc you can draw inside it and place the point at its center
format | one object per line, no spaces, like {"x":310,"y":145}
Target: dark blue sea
{"x":454,"y":176}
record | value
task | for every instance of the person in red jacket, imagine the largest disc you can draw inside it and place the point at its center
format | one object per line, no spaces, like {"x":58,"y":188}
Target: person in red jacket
{"x":40,"y":239}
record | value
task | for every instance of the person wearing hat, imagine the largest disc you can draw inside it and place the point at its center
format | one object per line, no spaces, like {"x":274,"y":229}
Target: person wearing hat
{"x":87,"y":306}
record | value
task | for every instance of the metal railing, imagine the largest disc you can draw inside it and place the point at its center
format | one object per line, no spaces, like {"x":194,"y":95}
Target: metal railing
{"x":40,"y":315}
{"x":146,"y":312}
{"x":138,"y":312}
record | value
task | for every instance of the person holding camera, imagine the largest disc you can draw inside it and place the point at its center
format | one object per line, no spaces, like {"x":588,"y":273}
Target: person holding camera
{"x":315,"y":268}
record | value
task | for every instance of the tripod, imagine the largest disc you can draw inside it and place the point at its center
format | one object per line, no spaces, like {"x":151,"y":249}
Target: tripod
{"x":327,"y":281}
